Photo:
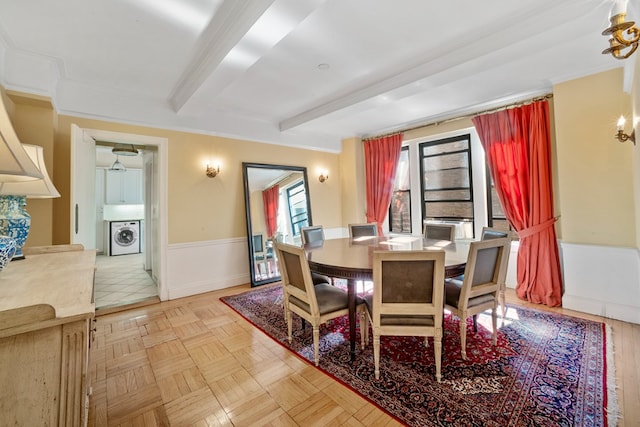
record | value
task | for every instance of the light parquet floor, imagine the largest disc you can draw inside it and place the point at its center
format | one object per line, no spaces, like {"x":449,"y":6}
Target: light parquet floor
{"x":195,"y":362}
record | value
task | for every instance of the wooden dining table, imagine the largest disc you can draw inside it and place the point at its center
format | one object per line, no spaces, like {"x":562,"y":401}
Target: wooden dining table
{"x":352,"y":259}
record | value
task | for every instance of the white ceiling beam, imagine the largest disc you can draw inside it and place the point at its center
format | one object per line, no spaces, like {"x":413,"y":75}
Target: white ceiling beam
{"x":526,"y":24}
{"x":229,"y":25}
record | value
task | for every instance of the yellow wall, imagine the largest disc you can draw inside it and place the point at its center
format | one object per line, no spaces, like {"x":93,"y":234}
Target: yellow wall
{"x":595,"y":175}
{"x":32,"y":119}
{"x":352,"y":182}
{"x":202,"y":208}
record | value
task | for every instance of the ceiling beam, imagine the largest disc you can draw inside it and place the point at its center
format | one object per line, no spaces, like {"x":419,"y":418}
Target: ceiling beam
{"x":230,"y":23}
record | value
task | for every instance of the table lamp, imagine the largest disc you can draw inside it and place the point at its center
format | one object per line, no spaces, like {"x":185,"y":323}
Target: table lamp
{"x":14,"y":219}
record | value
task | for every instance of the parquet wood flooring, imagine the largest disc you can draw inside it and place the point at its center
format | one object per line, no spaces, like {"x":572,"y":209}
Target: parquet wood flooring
{"x":195,"y":362}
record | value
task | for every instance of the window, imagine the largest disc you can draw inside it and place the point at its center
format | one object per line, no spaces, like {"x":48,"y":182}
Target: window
{"x":400,"y":208}
{"x":495,"y":213}
{"x":297,"y":198}
{"x":447,"y":190}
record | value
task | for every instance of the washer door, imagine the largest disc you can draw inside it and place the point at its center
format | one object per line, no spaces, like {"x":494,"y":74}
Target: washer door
{"x":125,"y":236}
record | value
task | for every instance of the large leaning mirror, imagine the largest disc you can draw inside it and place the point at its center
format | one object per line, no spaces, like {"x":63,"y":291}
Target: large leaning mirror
{"x":277,"y":203}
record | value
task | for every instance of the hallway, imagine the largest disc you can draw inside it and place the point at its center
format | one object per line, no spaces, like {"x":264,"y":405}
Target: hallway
{"x":122,"y":280}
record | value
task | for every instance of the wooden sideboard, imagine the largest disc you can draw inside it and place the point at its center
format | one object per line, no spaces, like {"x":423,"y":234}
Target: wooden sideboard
{"x":46,"y":316}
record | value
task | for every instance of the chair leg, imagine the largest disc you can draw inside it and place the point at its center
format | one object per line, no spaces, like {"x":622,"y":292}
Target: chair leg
{"x":502,"y":300}
{"x":289,"y":326}
{"x":463,"y":337}
{"x":475,"y":323}
{"x":376,"y":353}
{"x":494,"y":322}
{"x":437,"y":351}
{"x":316,"y":343}
{"x":363,"y":328}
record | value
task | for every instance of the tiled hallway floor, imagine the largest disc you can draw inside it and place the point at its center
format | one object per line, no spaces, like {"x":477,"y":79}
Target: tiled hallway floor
{"x":122,"y":280}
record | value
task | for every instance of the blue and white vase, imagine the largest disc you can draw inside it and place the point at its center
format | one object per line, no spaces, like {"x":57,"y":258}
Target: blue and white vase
{"x":14,"y":220}
{"x":7,"y":250}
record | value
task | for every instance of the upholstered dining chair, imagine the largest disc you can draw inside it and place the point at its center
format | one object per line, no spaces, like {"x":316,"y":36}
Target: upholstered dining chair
{"x":311,"y":234}
{"x":440,"y":232}
{"x":314,"y":303}
{"x":369,"y":229}
{"x":407,"y":300}
{"x":314,"y":235}
{"x":356,"y":231}
{"x":494,"y":233}
{"x":478,"y":290}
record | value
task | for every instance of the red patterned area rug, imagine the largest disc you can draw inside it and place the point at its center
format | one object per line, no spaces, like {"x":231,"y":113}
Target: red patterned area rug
{"x":547,"y":369}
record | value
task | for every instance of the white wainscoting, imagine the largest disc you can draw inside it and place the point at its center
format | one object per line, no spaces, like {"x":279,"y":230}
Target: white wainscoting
{"x":199,"y":267}
{"x":602,"y":280}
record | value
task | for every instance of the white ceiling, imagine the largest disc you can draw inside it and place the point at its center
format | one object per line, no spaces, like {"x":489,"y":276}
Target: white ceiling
{"x":250,"y":68}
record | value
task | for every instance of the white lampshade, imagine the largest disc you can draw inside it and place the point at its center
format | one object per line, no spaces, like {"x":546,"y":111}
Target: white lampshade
{"x":34,"y":189}
{"x":15,"y":163}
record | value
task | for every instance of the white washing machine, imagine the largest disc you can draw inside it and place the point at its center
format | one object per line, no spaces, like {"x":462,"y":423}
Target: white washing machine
{"x":125,"y":237}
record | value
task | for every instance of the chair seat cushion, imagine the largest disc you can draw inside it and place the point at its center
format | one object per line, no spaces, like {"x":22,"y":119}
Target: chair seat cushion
{"x":452,"y":289}
{"x":399,"y":320}
{"x":320,"y":278}
{"x":330,"y":299}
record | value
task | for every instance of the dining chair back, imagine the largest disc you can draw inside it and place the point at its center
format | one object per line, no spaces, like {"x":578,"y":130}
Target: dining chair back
{"x":440,"y":232}
{"x":407,"y":300}
{"x":495,"y":233}
{"x":478,"y":290}
{"x":363,"y":230}
{"x":313,"y":303}
{"x":312,"y":234}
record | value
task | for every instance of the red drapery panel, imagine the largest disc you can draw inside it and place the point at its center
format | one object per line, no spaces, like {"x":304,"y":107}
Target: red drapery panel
{"x":270,"y":200}
{"x":381,"y":157}
{"x":517,"y":144}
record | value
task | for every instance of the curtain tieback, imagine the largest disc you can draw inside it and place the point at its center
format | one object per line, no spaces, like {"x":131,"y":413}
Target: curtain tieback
{"x":537,"y":228}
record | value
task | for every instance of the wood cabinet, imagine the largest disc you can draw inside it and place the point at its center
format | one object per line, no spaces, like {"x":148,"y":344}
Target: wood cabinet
{"x":124,"y":187}
{"x":46,"y":316}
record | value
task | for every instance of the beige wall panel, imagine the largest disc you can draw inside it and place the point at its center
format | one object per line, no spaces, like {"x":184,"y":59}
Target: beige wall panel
{"x":595,"y":170}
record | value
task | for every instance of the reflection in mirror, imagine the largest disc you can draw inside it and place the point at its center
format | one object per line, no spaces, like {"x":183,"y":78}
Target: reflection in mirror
{"x":277,"y":205}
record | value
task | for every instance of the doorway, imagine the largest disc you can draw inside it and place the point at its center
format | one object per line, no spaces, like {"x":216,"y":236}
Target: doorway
{"x":87,"y":222}
{"x":124,"y":273}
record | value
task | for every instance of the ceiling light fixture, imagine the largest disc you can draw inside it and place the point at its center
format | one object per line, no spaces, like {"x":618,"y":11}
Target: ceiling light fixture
{"x":124,"y":150}
{"x":117,"y":166}
{"x":617,"y":42}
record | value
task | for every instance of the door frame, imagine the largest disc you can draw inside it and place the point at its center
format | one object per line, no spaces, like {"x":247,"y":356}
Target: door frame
{"x":160,"y":198}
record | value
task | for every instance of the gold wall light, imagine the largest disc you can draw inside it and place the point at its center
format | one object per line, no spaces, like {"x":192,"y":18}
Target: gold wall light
{"x":618,"y":43}
{"x":212,"y":171}
{"x":324,"y":175}
{"x":621,"y":136}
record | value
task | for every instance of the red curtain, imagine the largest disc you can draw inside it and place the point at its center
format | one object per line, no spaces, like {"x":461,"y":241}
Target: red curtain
{"x":381,"y":157}
{"x":270,"y":201}
{"x":517,"y":144}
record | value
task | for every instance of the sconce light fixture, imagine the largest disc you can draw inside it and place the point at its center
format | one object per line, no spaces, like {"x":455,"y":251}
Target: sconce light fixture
{"x":617,"y":42}
{"x":324,"y":175}
{"x":212,"y":172}
{"x":621,"y":136}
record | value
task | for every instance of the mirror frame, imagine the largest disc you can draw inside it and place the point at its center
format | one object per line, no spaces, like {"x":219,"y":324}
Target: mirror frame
{"x":247,"y":201}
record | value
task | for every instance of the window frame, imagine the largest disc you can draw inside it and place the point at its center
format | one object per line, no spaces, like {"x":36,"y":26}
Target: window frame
{"x":421,"y":157}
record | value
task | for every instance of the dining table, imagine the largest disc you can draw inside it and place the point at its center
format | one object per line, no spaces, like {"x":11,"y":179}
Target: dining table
{"x":352,"y":259}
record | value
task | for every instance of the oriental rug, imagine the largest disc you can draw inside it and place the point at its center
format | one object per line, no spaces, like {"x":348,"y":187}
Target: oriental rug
{"x":546,"y":370}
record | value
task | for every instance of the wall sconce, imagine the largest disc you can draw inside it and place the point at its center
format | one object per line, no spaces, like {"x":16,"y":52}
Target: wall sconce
{"x":212,"y":172}
{"x":617,"y":42}
{"x":324,"y":175}
{"x":621,"y":136}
